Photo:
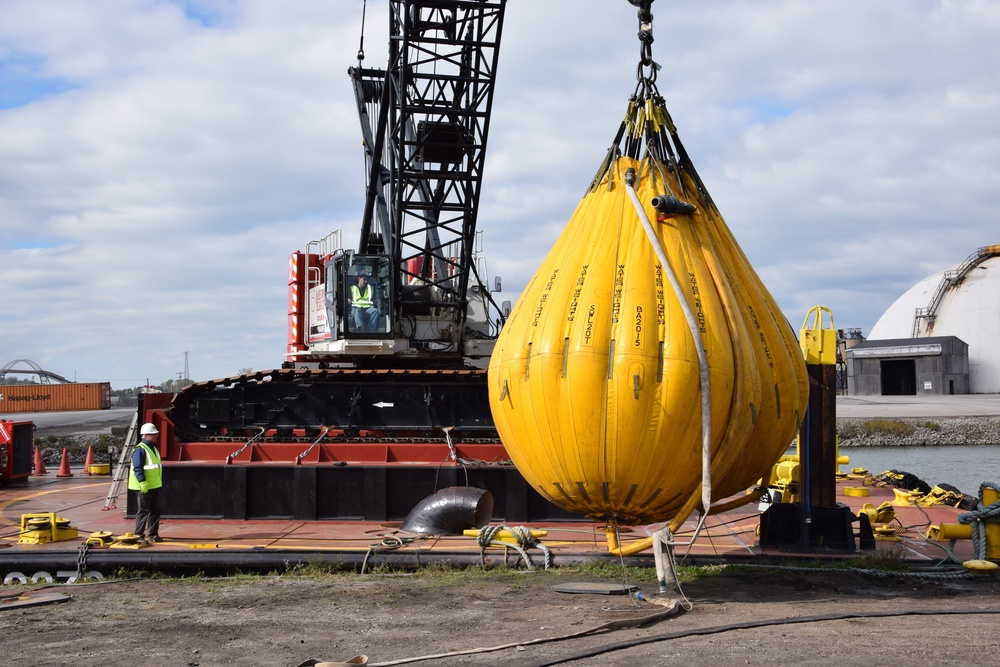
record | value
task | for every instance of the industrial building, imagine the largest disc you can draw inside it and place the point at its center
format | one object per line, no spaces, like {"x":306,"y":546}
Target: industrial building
{"x":907,"y":366}
{"x":942,"y":336}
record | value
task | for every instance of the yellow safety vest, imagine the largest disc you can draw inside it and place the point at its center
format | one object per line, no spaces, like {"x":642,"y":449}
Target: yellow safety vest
{"x":152,"y":469}
{"x":361,"y":300}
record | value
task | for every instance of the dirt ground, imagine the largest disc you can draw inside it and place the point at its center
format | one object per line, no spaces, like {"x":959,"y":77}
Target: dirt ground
{"x":395,"y":618}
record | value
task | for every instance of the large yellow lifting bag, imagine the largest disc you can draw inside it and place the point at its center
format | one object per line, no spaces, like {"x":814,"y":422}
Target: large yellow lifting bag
{"x":595,"y":381}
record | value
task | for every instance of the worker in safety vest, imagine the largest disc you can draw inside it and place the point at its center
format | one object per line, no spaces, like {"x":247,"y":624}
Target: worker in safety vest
{"x":146,"y":478}
{"x":364,"y":314}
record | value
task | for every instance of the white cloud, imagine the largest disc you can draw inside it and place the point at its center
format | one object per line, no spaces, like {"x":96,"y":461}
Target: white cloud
{"x":160,"y":160}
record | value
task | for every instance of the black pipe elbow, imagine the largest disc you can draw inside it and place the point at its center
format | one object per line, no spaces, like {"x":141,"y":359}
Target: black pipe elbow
{"x":451,"y":511}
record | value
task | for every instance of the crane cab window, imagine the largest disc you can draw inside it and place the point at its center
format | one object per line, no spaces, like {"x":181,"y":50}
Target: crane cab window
{"x":367,"y":297}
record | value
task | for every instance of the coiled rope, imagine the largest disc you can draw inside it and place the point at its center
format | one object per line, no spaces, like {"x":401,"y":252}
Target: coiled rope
{"x":388,"y":543}
{"x":487,"y":537}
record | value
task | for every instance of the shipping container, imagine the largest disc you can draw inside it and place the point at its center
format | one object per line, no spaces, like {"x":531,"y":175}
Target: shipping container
{"x":54,"y":397}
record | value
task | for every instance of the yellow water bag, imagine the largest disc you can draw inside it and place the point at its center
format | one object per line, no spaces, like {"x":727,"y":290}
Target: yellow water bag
{"x":597,"y":380}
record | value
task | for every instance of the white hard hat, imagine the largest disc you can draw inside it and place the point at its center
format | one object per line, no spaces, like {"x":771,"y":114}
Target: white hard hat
{"x":148,"y":429}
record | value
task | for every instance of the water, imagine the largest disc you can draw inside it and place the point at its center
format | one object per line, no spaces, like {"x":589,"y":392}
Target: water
{"x":962,"y":466}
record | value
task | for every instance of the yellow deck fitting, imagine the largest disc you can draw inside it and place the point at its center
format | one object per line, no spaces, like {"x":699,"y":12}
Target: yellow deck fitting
{"x":856,"y":491}
{"x":984,"y":566}
{"x":45,"y":527}
{"x":905,"y":498}
{"x":949,"y":531}
{"x":963,"y":531}
{"x":887,"y":532}
{"x":101,"y":538}
{"x":127,"y":541}
{"x":506,"y":536}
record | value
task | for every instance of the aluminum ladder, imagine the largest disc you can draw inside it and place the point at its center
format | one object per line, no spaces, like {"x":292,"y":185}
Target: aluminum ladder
{"x":123,"y":465}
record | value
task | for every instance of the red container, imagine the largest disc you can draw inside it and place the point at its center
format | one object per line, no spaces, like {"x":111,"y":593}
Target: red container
{"x":55,"y":397}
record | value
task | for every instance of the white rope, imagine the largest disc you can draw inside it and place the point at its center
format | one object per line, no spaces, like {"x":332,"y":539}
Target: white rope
{"x":706,"y":401}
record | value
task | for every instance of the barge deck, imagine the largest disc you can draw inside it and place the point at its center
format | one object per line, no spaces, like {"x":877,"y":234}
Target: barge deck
{"x":208,"y":545}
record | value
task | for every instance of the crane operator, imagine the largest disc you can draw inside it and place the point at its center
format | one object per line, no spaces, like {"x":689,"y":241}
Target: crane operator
{"x":364,"y":313}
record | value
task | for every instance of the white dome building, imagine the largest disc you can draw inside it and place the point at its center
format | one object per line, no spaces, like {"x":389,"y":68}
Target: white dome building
{"x":962,"y":301}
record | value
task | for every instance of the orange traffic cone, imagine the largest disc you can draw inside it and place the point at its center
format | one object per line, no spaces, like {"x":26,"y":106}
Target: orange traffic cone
{"x":64,"y":465}
{"x":89,"y":461}
{"x":39,"y":463}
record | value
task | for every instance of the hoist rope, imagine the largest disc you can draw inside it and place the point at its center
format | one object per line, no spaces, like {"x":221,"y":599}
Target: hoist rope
{"x":361,"y":42}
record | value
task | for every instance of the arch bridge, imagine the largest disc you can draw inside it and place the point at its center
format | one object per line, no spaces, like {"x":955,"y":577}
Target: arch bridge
{"x":44,"y":376}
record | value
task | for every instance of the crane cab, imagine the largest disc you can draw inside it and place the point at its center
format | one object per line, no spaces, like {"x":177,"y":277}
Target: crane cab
{"x":339,"y":304}
{"x":358,"y":293}
{"x":345,"y":307}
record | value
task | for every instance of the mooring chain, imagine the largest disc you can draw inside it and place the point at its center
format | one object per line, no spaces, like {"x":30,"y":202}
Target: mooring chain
{"x":81,"y":561}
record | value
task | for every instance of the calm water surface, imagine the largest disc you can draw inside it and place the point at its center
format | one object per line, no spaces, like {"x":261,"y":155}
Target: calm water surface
{"x":963,"y":466}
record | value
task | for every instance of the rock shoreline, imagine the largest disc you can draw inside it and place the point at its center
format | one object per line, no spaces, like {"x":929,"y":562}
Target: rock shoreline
{"x":925,"y":432}
{"x":76,"y":446}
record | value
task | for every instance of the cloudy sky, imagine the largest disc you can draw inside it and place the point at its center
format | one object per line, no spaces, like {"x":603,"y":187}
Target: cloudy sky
{"x":160,"y":160}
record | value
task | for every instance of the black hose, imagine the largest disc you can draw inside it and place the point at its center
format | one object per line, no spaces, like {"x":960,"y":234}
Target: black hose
{"x":716,"y":629}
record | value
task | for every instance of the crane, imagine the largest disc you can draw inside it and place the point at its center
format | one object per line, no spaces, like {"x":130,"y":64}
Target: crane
{"x":390,"y":338}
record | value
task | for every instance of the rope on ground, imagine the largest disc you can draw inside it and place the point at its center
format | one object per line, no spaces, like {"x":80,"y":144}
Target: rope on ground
{"x":487,"y":537}
{"x":389,"y":543}
{"x":620,"y":624}
{"x":609,"y":648}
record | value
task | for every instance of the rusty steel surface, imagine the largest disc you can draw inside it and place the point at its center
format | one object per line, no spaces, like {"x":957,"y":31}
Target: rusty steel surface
{"x":196,"y":543}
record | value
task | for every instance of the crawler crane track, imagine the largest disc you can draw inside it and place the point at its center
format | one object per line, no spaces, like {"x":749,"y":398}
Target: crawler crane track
{"x":350,"y":403}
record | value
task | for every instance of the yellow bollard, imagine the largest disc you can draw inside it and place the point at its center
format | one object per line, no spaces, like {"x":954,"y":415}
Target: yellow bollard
{"x":952,"y":531}
{"x":905,"y":498}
